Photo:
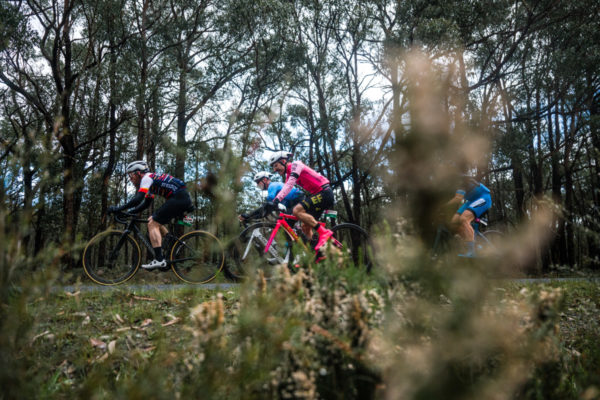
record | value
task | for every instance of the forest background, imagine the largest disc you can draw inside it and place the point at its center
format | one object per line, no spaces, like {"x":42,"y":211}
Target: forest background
{"x":205,"y":90}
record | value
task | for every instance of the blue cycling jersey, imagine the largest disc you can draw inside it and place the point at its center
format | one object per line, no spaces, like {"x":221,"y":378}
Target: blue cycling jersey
{"x":293,"y":196}
{"x":473,"y":189}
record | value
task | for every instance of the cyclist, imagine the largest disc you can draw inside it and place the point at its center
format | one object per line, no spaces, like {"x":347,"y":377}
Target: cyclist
{"x":319,"y":197}
{"x":263,"y":181}
{"x":149,"y":184}
{"x":477,"y":200}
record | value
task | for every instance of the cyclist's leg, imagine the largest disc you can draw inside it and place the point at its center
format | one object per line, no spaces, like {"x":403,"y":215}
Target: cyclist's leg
{"x":474,"y":209}
{"x":314,"y":206}
{"x":172,"y":208}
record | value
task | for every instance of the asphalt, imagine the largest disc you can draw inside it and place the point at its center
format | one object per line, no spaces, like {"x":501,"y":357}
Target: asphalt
{"x":227,"y":286}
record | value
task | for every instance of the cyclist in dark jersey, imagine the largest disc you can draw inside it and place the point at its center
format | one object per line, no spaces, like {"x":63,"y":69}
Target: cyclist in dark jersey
{"x":150,"y":184}
{"x":263,"y":181}
{"x":477,"y":200}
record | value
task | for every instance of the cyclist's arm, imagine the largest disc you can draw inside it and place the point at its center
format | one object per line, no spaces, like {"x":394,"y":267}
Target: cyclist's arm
{"x":145,"y":204}
{"x":458,"y":198}
{"x":258,"y":213}
{"x":137,"y":199}
{"x":291,"y":182}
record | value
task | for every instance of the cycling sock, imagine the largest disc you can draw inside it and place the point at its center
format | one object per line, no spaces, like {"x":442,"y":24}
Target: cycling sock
{"x":158,"y":253}
{"x":470,"y":247}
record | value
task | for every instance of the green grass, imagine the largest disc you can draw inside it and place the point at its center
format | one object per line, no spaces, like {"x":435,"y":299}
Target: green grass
{"x":116,"y":333}
{"x":125,"y":343}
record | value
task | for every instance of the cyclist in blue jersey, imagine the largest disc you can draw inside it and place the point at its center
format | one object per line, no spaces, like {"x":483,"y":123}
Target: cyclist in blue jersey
{"x":477,"y":200}
{"x":263,"y":181}
{"x":149,"y":184}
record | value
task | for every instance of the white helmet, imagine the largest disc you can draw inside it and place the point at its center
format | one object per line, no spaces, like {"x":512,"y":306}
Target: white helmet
{"x":279,"y":155}
{"x":260,"y":175}
{"x":139,"y":165}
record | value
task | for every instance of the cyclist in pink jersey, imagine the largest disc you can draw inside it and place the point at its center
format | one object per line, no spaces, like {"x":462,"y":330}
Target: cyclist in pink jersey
{"x":149,"y":184}
{"x":319,"y":198}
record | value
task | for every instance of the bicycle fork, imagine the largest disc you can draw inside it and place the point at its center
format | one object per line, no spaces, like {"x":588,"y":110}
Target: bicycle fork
{"x":256,"y":234}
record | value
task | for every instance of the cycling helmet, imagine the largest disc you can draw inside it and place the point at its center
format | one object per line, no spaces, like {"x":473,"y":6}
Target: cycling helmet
{"x":279,"y":155}
{"x":139,"y":165}
{"x":260,"y":175}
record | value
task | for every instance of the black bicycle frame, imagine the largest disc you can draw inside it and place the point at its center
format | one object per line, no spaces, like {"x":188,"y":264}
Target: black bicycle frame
{"x":131,"y":227}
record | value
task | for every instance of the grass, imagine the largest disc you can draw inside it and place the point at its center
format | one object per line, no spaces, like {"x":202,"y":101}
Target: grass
{"x":76,"y":336}
{"x":152,"y":343}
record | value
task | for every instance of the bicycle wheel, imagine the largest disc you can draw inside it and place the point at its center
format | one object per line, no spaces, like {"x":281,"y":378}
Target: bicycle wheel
{"x":489,"y":242}
{"x":197,"y":257}
{"x":247,"y":252}
{"x":111,"y":257}
{"x":354,"y":241}
{"x":442,"y":243}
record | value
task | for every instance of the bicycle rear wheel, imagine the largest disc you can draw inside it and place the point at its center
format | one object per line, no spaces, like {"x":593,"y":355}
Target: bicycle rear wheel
{"x":111,"y":257}
{"x":354,"y":242}
{"x":247,"y":252}
{"x":197,"y":257}
{"x":489,"y":242}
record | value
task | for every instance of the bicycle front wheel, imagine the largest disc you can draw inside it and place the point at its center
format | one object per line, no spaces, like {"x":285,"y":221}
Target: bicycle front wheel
{"x":111,"y":257}
{"x":354,"y":242}
{"x":197,"y":257}
{"x":247,"y":252}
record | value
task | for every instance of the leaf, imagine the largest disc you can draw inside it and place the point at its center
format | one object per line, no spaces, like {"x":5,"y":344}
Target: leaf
{"x":172,"y":322}
{"x":101,"y":358}
{"x":40,"y":335}
{"x":146,"y":322}
{"x":119,"y":319}
{"x":143,"y":298}
{"x":111,"y":346}
{"x":98,"y":343}
{"x":73,"y":294}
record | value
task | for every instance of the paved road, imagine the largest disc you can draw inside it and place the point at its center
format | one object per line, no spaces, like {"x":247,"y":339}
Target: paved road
{"x":100,"y":288}
{"x":227,"y":286}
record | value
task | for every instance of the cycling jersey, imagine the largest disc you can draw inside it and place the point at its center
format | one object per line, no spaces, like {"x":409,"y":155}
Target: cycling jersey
{"x":298,"y":173}
{"x":477,"y":197}
{"x":473,"y":189}
{"x":292,"y":198}
{"x":164,"y":185}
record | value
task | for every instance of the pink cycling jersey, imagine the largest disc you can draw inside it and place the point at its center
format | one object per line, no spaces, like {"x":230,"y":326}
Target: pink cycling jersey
{"x":298,"y":173}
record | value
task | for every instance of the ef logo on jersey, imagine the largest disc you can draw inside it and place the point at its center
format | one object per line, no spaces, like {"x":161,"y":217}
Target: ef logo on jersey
{"x":317,"y":199}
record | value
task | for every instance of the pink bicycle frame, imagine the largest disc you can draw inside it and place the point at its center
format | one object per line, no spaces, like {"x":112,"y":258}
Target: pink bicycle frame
{"x":281,"y":221}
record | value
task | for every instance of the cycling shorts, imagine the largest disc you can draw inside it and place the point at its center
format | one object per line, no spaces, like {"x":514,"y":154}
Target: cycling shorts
{"x":315,"y":204}
{"x":477,"y":206}
{"x":175,"y":206}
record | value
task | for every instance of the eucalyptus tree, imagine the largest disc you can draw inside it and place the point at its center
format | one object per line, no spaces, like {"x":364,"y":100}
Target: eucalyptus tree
{"x":47,"y":76}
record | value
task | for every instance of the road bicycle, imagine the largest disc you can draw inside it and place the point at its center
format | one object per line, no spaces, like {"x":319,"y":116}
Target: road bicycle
{"x":486,"y":241}
{"x":114,"y":256}
{"x":268,"y":244}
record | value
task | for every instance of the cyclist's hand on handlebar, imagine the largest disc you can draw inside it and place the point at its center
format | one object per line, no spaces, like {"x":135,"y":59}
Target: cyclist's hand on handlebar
{"x":243,"y":217}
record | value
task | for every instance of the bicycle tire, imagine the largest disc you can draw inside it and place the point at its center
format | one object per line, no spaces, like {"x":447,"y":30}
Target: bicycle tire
{"x":201,"y":257}
{"x":491,"y":243}
{"x":442,"y":243}
{"x":247,"y":251}
{"x":105,"y":268}
{"x":354,"y":241}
